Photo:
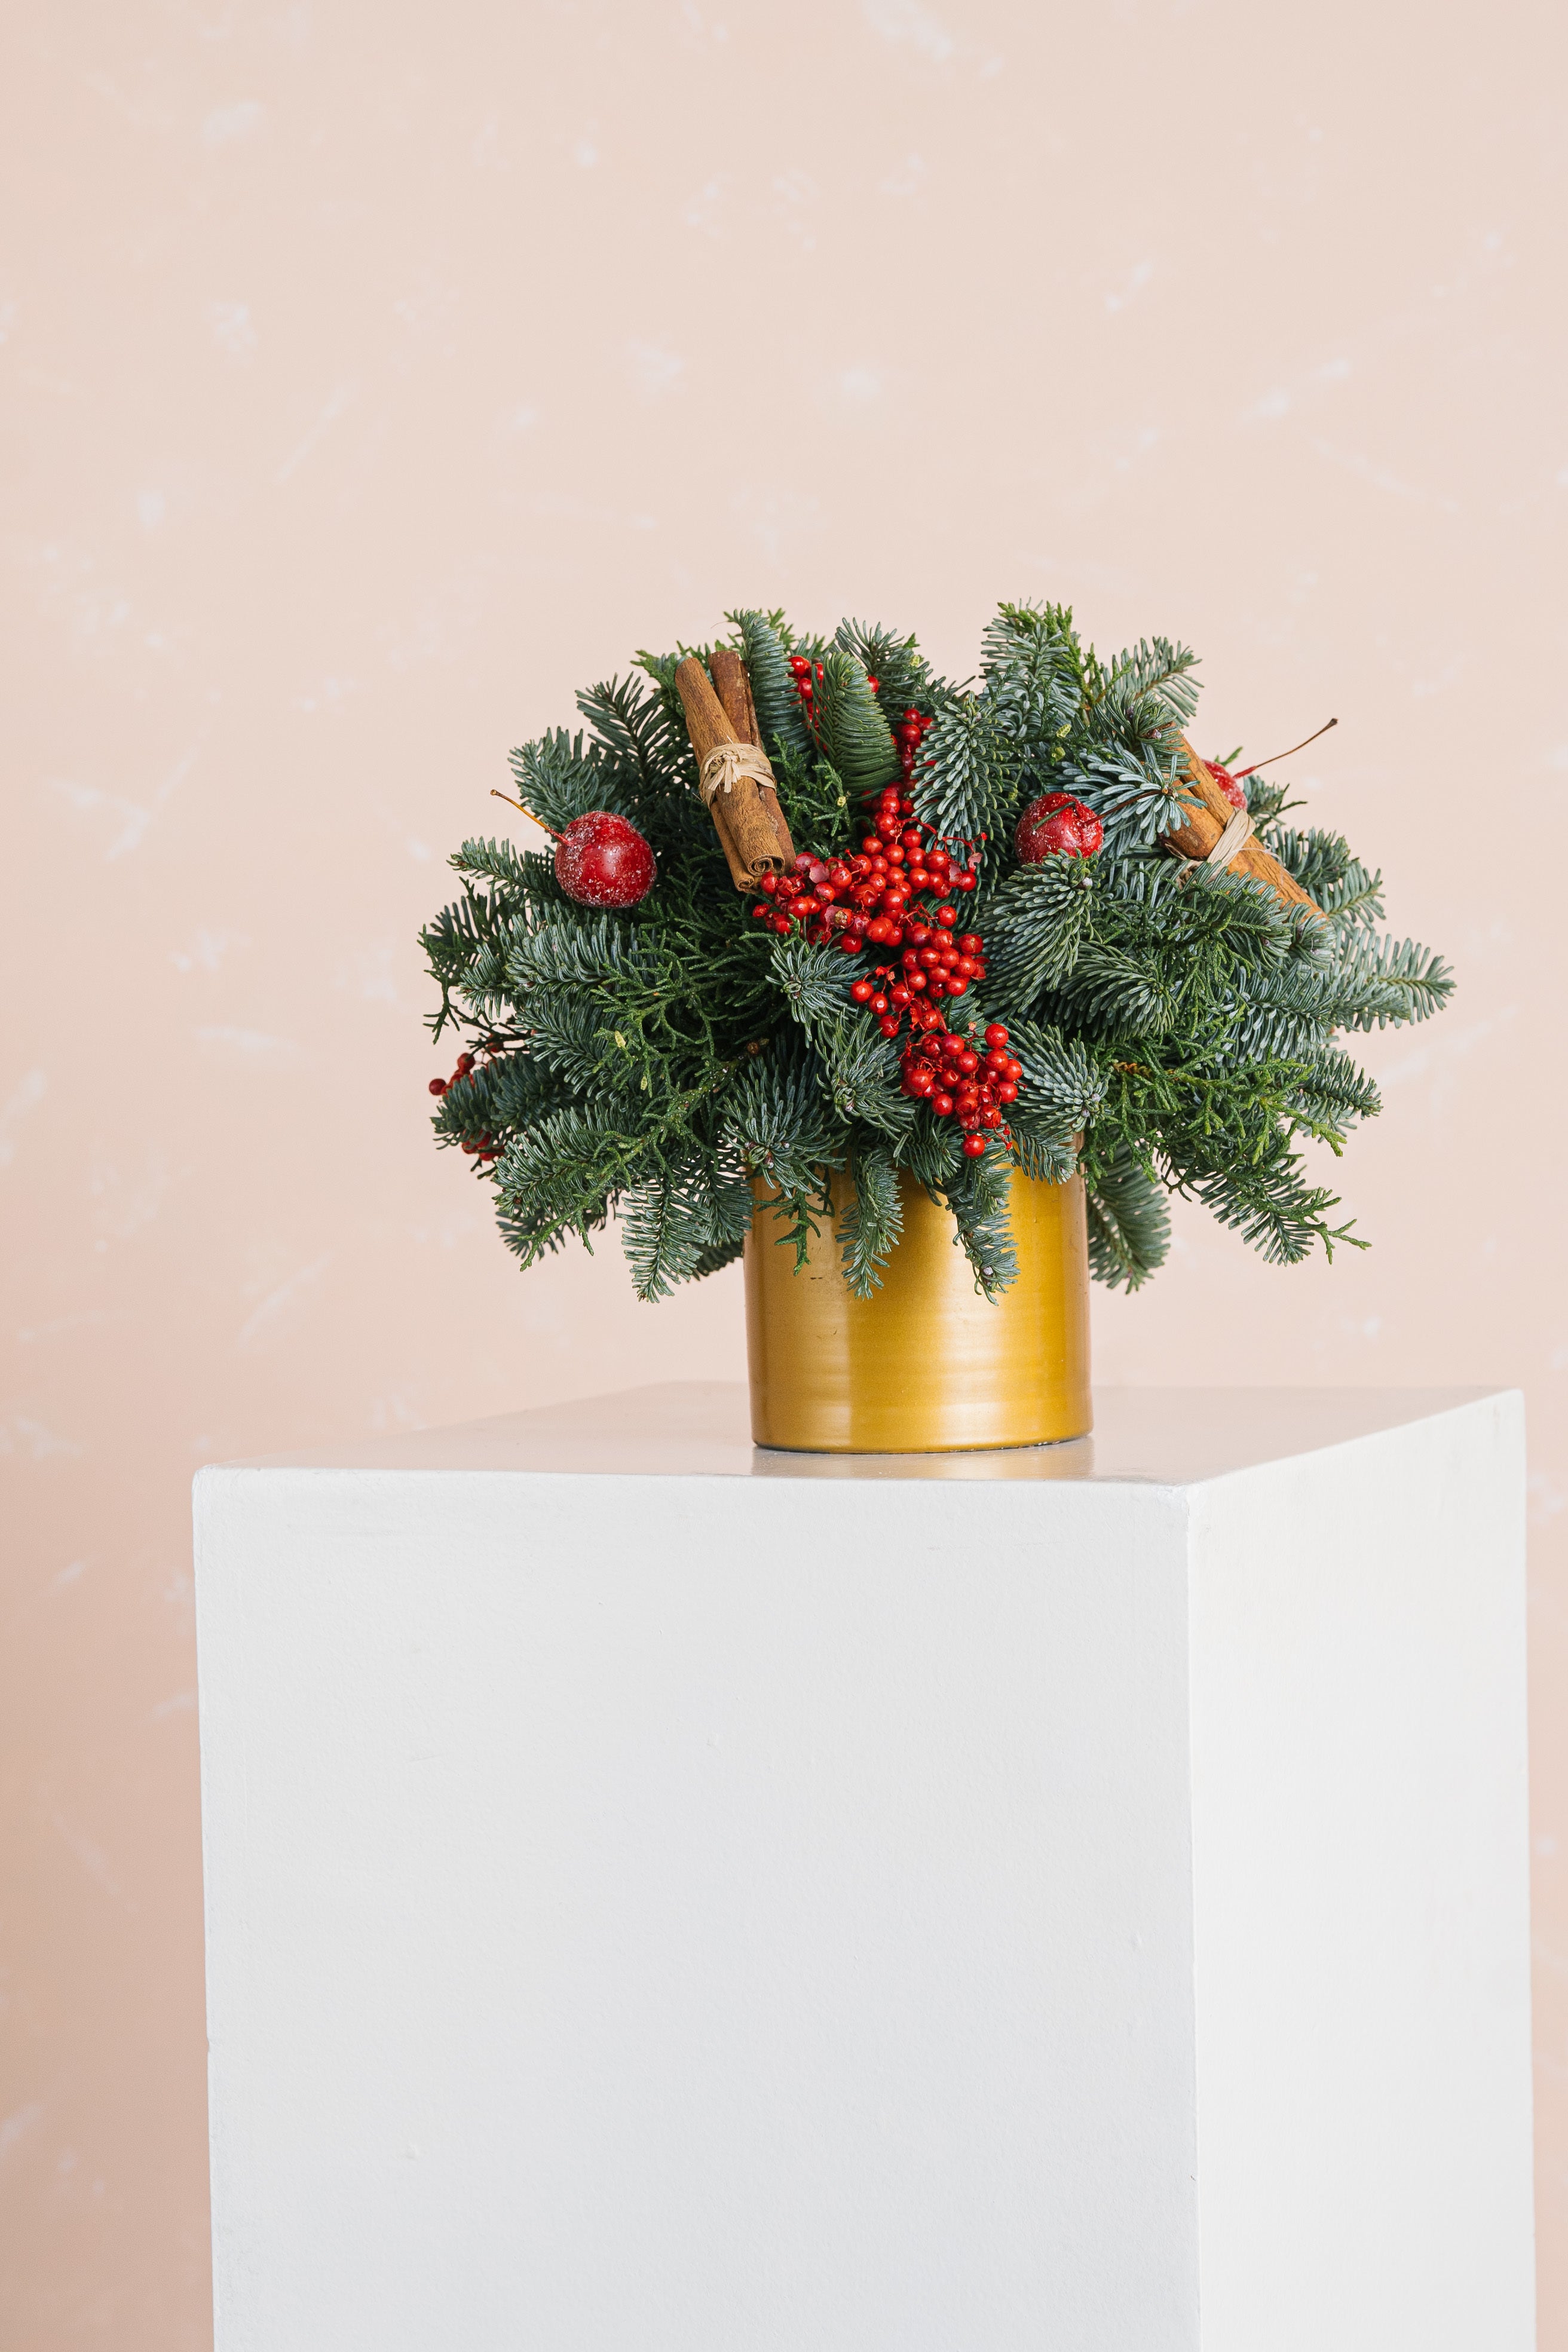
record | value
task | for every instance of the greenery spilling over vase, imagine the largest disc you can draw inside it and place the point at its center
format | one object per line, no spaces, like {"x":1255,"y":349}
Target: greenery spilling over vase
{"x":983,"y":951}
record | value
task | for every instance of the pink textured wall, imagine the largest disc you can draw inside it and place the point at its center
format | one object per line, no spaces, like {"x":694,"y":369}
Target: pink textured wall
{"x":372,"y":375}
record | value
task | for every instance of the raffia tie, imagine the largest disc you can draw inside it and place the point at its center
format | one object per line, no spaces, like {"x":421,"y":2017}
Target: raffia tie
{"x":727,"y":761}
{"x":1231,"y":843}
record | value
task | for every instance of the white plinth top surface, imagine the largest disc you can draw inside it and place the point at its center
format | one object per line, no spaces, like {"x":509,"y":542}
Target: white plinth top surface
{"x":1167,"y":1438}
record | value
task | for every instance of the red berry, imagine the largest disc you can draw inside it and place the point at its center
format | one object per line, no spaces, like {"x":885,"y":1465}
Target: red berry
{"x":1056,"y":825}
{"x":974,"y":1145}
{"x":438,"y":1085}
{"x":601,"y":860}
{"x":996,"y":1034}
{"x":862,"y":992}
{"x":874,"y":683}
{"x":947,"y":917}
{"x":942,"y":1105}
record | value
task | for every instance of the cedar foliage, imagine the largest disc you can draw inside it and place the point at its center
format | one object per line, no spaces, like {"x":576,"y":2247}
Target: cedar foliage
{"x":1180,"y":1032}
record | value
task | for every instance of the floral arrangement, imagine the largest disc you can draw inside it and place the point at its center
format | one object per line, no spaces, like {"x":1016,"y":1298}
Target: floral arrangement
{"x":1025,"y":928}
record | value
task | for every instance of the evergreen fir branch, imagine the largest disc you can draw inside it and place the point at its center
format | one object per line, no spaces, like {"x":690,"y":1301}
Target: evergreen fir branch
{"x":1409,"y":981}
{"x":580,"y":955}
{"x":978,"y":1196}
{"x":1147,"y":696}
{"x":1322,"y":864}
{"x":559,"y":778}
{"x":785,"y":738}
{"x":861,"y":1072}
{"x":1368,"y":983}
{"x":664,"y":1231}
{"x":523,"y":877}
{"x":932,"y":1153}
{"x":637,"y":733}
{"x":453,"y":944}
{"x":860,"y":1067}
{"x":1266,"y":1198}
{"x":896,"y":663}
{"x":512,"y":1091}
{"x":1266,"y":801}
{"x":871,"y":1221}
{"x":968,"y":775}
{"x":815,"y":802}
{"x":1112,"y":991}
{"x":853,"y":734}
{"x":1128,"y":1222}
{"x":1043,"y":1157}
{"x":1332,"y":1091}
{"x":1031,"y":677}
{"x":679,"y":1220}
{"x":1040,"y":917}
{"x":560,"y":1176}
{"x":816,"y":982}
{"x":1135,"y":801}
{"x":776,"y":1119}
{"x":1064,"y":1084}
{"x":1355,"y":898}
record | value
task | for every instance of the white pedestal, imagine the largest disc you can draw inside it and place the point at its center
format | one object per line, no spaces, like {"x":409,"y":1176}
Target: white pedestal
{"x":663,"y":1897}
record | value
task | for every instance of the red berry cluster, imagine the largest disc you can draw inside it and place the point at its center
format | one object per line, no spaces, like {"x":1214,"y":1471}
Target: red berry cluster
{"x":805,"y":678}
{"x":486,"y":1147}
{"x":896,"y":891}
{"x":872,"y":896}
{"x":959,"y":1081}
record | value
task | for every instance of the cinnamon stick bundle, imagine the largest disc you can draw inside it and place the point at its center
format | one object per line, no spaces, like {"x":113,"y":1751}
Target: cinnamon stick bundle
{"x":1207,"y":821}
{"x":747,"y":816}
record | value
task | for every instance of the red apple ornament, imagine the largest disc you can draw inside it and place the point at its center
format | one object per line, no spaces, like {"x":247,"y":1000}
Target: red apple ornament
{"x":1056,"y":824}
{"x":1231,"y":785}
{"x":601,"y":860}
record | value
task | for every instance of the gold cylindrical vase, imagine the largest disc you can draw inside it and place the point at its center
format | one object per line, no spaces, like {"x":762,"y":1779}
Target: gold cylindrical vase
{"x":927,"y":1364}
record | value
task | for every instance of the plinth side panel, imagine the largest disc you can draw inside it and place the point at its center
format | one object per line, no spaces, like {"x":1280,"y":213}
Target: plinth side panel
{"x":1360,"y":1834}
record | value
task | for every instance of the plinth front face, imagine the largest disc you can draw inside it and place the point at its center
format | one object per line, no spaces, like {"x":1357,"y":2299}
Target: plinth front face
{"x":927,"y":1364}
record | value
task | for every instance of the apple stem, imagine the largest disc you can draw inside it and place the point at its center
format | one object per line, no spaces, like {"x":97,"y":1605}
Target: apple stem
{"x":550,"y":829}
{"x":1277,"y":755}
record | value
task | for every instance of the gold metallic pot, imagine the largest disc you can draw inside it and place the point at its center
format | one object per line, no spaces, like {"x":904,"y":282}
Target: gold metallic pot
{"x":926,"y":1365}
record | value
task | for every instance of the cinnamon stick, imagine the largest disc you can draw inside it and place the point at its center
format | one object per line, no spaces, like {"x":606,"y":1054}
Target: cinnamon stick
{"x":1207,"y":820}
{"x":733,"y":684}
{"x":745,"y":826}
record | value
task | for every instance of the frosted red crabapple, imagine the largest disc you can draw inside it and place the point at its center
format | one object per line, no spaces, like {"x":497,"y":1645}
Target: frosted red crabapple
{"x":602,"y":860}
{"x":1056,"y":825}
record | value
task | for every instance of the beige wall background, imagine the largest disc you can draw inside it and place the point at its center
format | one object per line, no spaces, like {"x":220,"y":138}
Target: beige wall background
{"x":375,"y":374}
